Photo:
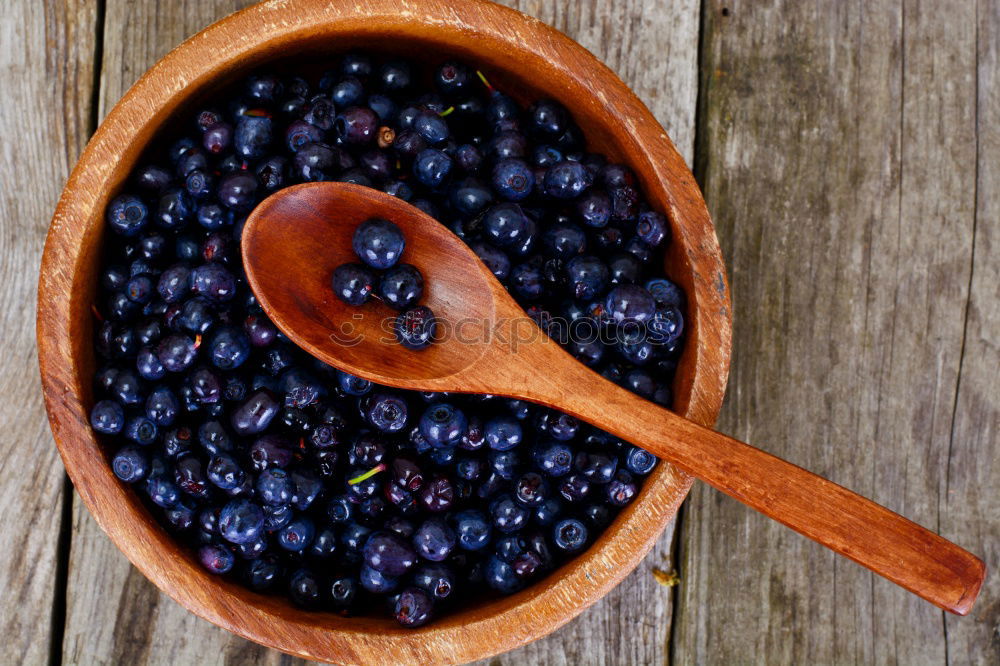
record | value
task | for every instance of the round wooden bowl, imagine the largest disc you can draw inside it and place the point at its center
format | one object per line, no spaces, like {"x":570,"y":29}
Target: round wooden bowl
{"x":521,"y":56}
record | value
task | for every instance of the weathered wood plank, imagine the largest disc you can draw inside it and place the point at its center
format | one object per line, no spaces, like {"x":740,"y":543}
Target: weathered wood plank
{"x":971,"y":502}
{"x":838,"y":156}
{"x":46,"y":75}
{"x":653,"y":46}
{"x":114,"y":615}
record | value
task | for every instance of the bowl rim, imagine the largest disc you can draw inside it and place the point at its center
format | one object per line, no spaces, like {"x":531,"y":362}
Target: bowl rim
{"x":258,"y":33}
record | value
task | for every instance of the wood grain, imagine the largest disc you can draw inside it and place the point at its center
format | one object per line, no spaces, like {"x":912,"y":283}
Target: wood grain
{"x":840,"y":140}
{"x":46,"y":77}
{"x":494,"y":37}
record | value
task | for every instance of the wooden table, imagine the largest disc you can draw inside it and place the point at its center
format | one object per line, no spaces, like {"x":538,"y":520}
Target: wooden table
{"x":850,"y":155}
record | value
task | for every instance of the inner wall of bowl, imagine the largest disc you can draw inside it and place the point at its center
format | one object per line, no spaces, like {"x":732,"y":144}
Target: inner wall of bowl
{"x":501,"y":68}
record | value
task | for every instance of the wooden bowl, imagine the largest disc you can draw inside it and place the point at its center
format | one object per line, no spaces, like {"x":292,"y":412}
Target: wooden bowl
{"x":521,"y":55}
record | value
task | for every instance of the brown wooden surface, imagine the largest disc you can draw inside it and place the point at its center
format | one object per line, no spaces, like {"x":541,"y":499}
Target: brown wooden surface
{"x":798,"y":100}
{"x":46,"y":65}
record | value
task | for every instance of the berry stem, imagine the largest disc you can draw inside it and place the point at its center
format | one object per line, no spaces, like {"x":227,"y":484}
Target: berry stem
{"x":447,"y":112}
{"x":485,"y":82}
{"x":367,"y":475}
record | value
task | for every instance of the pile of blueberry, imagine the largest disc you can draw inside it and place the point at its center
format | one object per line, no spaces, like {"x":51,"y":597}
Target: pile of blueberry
{"x":379,"y":244}
{"x":297,"y":479}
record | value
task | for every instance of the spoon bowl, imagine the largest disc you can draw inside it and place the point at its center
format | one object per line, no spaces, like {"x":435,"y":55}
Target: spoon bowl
{"x":291,"y":274}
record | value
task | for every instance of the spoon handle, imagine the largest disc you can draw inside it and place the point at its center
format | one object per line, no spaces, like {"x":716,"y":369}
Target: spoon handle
{"x":875,"y":537}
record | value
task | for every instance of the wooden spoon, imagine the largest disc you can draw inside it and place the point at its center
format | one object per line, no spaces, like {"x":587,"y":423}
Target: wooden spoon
{"x":294,"y":240}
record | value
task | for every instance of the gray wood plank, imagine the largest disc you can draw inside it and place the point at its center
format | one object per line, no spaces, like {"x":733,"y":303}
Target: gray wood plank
{"x":971,"y":501}
{"x":653,"y":46}
{"x":46,"y":78}
{"x":838,"y":156}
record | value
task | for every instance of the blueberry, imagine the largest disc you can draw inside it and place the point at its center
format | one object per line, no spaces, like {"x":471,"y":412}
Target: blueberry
{"x":162,"y":406}
{"x":241,"y":521}
{"x":379,"y":243}
{"x":304,"y":588}
{"x":569,"y":535}
{"x":531,"y":489}
{"x":401,"y":286}
{"x":216,"y":559}
{"x":508,"y":516}
{"x":503,"y":433}
{"x":416,"y":328}
{"x":437,"y":580}
{"x":443,"y":424}
{"x":130,"y":464}
{"x":107,"y":417}
{"x":274,"y":487}
{"x":253,"y":136}
{"x":377,"y":582}
{"x":238,"y":191}
{"x":141,"y":430}
{"x":622,"y":489}
{"x":639,"y":461}
{"x":217,"y":138}
{"x":127,"y":215}
{"x":472,"y":530}
{"x":174,"y":209}
{"x":566,"y":180}
{"x":501,"y":576}
{"x":386,"y":412}
{"x":174,"y":283}
{"x":356,"y":125}
{"x":431,"y":167}
{"x":228,"y":348}
{"x":666,"y":326}
{"x":594,"y":209}
{"x":262,"y":573}
{"x":453,"y":77}
{"x":630,"y":303}
{"x":395,"y":76}
{"x":513,"y":179}
{"x":413,"y":607}
{"x":297,"y":535}
{"x":554,"y":459}
{"x":434,"y":540}
{"x":352,"y":385}
{"x":388,"y":554}
{"x":343,"y":590}
{"x":587,"y":276}
{"x":506,"y":225}
{"x":224,"y":472}
{"x":255,"y":414}
{"x":547,"y":119}
{"x":437,"y":495}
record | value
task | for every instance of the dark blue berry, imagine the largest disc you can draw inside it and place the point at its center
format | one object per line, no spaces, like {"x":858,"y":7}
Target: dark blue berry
{"x":127,"y":215}
{"x":431,"y":167}
{"x":130,"y":464}
{"x":107,"y":417}
{"x":401,"y":287}
{"x":569,"y":535}
{"x":416,"y":328}
{"x":379,"y":243}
